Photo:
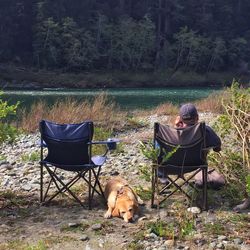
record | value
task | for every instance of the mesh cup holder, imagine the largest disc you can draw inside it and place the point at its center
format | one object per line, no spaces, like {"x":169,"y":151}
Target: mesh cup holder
{"x":111,"y":143}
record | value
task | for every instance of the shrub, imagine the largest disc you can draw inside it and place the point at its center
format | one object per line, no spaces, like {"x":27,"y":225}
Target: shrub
{"x":7,"y":131}
{"x":233,"y":127}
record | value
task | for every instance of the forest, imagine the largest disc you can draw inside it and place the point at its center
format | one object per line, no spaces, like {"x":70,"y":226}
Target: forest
{"x":128,"y":35}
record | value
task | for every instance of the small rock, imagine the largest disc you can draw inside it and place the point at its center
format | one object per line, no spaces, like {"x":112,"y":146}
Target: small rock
{"x":114,"y":173}
{"x":212,"y":245}
{"x":222,"y":237}
{"x":96,"y":227}
{"x":180,"y":247}
{"x":152,"y":235}
{"x":162,"y":248}
{"x":84,"y":237}
{"x":101,"y":243}
{"x":73,"y":224}
{"x":169,"y":243}
{"x":194,"y":210}
{"x":142,"y":218}
{"x":88,"y":247}
{"x":27,"y":187}
{"x":238,"y":241}
{"x":3,"y":162}
{"x":200,"y":242}
{"x":220,"y":246}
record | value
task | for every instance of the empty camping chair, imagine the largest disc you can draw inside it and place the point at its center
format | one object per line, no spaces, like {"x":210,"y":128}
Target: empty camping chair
{"x":189,"y":158}
{"x":69,"y":148}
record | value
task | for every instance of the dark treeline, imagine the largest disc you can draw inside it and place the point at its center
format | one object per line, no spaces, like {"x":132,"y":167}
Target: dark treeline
{"x":73,"y":35}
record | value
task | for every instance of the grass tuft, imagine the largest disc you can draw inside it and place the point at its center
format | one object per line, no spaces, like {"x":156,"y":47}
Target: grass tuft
{"x":213,"y":103}
{"x":166,"y":109}
{"x":101,"y":111}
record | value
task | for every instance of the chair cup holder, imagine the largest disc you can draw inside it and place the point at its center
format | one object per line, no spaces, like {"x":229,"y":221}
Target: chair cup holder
{"x":111,"y":143}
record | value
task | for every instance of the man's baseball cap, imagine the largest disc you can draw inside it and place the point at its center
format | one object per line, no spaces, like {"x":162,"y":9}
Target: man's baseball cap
{"x":188,"y":111}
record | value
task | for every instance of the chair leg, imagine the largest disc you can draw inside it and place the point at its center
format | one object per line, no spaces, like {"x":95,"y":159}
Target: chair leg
{"x":204,"y":180}
{"x":97,"y":182}
{"x":90,"y":198}
{"x":52,"y":180}
{"x":65,"y":187}
{"x":157,"y":189}
{"x":41,"y":182}
{"x":153,"y":186}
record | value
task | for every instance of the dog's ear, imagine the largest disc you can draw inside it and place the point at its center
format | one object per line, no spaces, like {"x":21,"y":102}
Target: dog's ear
{"x":115,"y":212}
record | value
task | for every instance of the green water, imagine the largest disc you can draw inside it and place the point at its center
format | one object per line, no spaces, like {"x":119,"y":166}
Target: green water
{"x":126,"y":98}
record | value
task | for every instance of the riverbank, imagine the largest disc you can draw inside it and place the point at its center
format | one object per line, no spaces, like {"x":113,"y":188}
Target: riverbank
{"x":65,"y":225}
{"x":13,"y":77}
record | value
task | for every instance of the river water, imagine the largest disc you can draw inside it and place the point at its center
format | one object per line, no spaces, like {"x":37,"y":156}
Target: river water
{"x":126,"y":98}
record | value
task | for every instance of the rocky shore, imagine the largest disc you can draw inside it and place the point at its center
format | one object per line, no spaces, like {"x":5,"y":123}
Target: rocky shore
{"x":66,"y":225}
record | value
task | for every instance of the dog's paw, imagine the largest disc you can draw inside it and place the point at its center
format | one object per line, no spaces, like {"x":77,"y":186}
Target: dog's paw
{"x":108,"y":214}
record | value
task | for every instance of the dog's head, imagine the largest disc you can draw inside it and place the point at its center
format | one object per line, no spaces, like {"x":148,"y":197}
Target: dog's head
{"x":126,"y":206}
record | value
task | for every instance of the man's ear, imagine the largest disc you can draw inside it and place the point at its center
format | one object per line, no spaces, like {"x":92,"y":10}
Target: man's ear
{"x":115,"y":212}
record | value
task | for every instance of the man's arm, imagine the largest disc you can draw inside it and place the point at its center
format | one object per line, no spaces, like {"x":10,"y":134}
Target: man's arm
{"x":212,"y":140}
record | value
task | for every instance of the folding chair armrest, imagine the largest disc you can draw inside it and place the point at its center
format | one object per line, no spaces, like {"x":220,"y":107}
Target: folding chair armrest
{"x":110,"y":142}
{"x":97,"y":142}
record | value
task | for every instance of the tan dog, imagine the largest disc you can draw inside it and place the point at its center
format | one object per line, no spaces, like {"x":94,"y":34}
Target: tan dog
{"x":121,"y":199}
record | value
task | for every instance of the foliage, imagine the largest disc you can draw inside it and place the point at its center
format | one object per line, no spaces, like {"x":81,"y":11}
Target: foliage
{"x":41,"y":245}
{"x":7,"y":131}
{"x":32,"y":157}
{"x":134,"y":123}
{"x":162,"y":229}
{"x":145,"y":172}
{"x":134,"y":35}
{"x":233,"y":127}
{"x":22,"y":245}
{"x":151,"y":152}
{"x":181,"y":227}
{"x":216,"y":228}
{"x":144,"y":194}
{"x":248,"y":184}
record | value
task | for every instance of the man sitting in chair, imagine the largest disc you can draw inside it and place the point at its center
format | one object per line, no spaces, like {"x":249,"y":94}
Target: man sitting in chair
{"x":188,"y":116}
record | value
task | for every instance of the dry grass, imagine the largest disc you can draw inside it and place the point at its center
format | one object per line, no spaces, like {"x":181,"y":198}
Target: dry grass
{"x":212,"y":103}
{"x":166,"y":109}
{"x":101,"y":110}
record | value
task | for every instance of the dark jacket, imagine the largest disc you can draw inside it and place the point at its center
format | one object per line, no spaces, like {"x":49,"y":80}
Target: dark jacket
{"x":212,"y":140}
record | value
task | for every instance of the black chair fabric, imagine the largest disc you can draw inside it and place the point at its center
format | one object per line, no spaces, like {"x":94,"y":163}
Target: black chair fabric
{"x":69,"y":148}
{"x":190,"y":154}
{"x":67,"y":144}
